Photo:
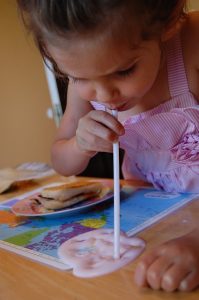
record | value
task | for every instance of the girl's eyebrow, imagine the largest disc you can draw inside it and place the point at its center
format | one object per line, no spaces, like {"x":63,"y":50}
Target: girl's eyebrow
{"x":62,"y":73}
{"x":67,"y":75}
{"x":123,"y":67}
{"x":76,"y":78}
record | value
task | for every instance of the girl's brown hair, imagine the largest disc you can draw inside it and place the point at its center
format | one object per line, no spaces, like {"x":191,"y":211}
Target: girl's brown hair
{"x":67,"y":17}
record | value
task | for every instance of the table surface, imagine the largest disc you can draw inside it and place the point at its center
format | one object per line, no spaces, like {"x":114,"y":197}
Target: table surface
{"x":21,"y":278}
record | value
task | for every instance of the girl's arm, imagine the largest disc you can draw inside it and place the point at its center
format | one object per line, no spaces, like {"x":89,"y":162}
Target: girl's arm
{"x":67,"y":157}
{"x":190,"y":39}
{"x":83,"y":132}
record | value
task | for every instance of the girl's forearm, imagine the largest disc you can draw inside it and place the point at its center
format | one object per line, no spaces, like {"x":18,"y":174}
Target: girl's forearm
{"x":68,"y":159}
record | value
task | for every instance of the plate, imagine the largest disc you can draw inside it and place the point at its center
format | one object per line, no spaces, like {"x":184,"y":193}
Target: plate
{"x":24,"y":207}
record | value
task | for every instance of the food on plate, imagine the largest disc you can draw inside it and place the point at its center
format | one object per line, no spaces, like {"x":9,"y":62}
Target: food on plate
{"x":65,"y":195}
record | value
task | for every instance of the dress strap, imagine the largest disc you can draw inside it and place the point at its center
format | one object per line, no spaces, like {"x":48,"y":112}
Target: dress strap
{"x":177,"y":78}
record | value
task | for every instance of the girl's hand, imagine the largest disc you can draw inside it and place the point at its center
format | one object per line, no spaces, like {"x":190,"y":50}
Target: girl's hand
{"x":97,"y":131}
{"x":172,"y":266}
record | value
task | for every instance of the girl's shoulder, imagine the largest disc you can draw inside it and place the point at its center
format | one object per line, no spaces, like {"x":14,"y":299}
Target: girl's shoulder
{"x":190,"y":37}
{"x":190,"y":47}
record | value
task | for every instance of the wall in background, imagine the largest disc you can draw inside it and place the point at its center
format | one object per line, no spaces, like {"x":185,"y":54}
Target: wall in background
{"x":194,"y":4}
{"x":26,"y":133}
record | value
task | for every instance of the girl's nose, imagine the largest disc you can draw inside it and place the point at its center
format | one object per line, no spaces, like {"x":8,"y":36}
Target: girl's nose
{"x":106,"y":94}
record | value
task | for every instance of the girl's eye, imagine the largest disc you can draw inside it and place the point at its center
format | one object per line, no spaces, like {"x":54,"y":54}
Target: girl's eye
{"x":127,"y":72}
{"x":74,"y":80}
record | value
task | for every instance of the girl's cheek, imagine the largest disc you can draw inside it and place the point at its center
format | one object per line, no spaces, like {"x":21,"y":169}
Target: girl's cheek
{"x":86,"y":93}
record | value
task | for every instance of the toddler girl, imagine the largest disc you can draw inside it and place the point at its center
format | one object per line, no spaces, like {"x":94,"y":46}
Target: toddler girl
{"x":141,"y":58}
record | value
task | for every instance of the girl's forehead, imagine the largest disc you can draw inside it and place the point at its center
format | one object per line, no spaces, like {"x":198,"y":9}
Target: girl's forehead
{"x":90,"y":57}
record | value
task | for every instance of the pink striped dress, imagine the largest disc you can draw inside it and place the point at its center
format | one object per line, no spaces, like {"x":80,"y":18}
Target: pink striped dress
{"x":162,"y":144}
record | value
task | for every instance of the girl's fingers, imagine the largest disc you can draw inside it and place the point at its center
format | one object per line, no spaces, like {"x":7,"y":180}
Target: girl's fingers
{"x":173,"y":277}
{"x":190,"y":282}
{"x":108,"y":121}
{"x":89,"y":142}
{"x":172,"y":266}
{"x":156,"y":271}
{"x":164,"y":273}
{"x":142,"y":267}
{"x":101,"y":131}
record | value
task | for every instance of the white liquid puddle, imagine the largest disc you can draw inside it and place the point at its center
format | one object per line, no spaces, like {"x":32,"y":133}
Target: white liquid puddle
{"x":91,"y":254}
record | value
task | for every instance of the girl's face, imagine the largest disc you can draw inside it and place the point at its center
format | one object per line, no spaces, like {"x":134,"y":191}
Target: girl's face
{"x":110,"y":70}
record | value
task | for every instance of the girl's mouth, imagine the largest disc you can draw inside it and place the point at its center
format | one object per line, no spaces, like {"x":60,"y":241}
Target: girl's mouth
{"x":124,"y":106}
{"x":121,"y":107}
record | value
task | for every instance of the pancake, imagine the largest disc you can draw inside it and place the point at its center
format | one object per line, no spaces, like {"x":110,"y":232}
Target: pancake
{"x":68,"y":194}
{"x":69,"y":190}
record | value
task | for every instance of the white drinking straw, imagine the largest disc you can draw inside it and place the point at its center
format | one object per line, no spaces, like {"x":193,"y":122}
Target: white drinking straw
{"x":54,"y":93}
{"x":116,"y":196}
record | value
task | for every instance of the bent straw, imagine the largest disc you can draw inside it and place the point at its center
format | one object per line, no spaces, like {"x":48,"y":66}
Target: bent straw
{"x":116,"y":195}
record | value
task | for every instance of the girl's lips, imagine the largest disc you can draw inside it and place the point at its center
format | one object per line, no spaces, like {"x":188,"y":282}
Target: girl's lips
{"x":124,"y":107}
